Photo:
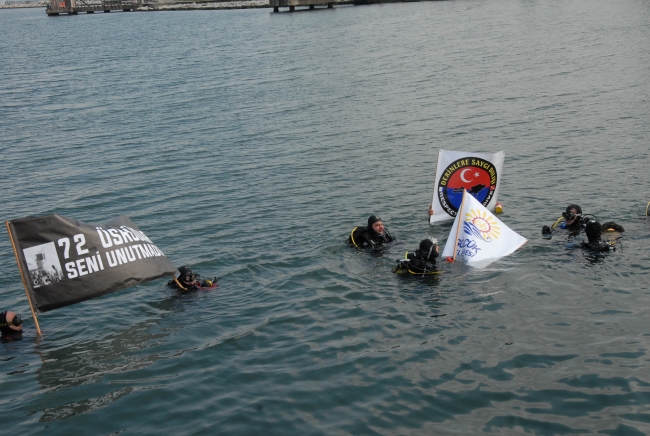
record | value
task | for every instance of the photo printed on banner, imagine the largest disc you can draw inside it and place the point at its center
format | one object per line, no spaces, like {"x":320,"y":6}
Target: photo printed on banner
{"x":43,"y":264}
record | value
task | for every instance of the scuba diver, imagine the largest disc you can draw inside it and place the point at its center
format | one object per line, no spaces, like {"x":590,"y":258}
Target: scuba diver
{"x":188,"y":280}
{"x":372,"y":237}
{"x":10,"y":322}
{"x":574,"y":221}
{"x":571,"y":220}
{"x":594,"y":230}
{"x":421,"y":261}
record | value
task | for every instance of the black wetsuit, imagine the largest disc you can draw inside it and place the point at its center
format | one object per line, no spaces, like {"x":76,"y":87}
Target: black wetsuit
{"x":367,"y":239}
{"x":593,"y":230}
{"x":597,"y":246}
{"x":576,"y":227}
{"x":572,"y":230}
{"x":188,"y":287}
{"x":4,"y":325}
{"x":415,"y":262}
{"x":197,"y":285}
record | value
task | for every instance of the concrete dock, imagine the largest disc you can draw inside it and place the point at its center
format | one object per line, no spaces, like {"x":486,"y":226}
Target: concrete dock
{"x":291,"y":4}
{"x":71,"y":7}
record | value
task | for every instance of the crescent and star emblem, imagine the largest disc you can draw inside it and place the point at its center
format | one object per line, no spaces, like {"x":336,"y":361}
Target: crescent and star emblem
{"x":462,"y":175}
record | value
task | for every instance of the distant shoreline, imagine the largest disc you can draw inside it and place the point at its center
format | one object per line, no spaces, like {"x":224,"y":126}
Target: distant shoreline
{"x":237,"y":4}
{"x":24,"y":5}
{"x":207,"y":5}
{"x":228,"y":4}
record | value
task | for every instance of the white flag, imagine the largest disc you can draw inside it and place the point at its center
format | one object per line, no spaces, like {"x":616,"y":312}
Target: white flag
{"x":482,"y":238}
{"x":479,"y":173}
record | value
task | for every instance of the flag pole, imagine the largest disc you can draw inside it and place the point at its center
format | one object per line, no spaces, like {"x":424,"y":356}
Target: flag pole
{"x":460,"y":211}
{"x":22,"y":276}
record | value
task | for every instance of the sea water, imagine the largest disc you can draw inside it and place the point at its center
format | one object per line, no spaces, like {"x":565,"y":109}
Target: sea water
{"x":248,"y":144}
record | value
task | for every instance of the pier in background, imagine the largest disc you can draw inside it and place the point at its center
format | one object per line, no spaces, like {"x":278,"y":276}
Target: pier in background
{"x":291,"y":4}
{"x":71,"y":7}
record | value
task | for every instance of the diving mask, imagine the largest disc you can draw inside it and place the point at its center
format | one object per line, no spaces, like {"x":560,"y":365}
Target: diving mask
{"x":568,"y":216}
{"x":189,"y":278}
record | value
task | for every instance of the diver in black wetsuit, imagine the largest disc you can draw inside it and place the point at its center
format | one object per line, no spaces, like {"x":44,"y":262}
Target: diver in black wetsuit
{"x":10,"y":322}
{"x":574,"y":221}
{"x":189,"y":280}
{"x":571,"y":220}
{"x":594,"y":230}
{"x":420,"y":261}
{"x":371,"y":238}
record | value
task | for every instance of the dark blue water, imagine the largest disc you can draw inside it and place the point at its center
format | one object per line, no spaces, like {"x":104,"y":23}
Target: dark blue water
{"x":248,"y":144}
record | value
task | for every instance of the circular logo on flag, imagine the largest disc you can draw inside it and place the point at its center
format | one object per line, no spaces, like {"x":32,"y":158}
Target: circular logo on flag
{"x":481,"y":225}
{"x":477,"y":176}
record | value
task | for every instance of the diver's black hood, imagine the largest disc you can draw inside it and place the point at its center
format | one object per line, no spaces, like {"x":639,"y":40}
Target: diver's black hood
{"x":427,"y":250}
{"x":371,"y":220}
{"x":593,"y":230}
{"x":578,"y":222}
{"x":184,"y":272}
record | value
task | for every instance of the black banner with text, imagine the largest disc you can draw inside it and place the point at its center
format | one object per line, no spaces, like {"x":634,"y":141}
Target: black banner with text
{"x":65,"y":261}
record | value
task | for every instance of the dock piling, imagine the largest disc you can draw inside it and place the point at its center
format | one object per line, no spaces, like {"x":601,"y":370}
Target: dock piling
{"x":291,"y":4}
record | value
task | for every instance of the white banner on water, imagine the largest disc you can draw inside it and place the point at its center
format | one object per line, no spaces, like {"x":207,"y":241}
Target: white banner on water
{"x":482,"y":237}
{"x":478,"y":173}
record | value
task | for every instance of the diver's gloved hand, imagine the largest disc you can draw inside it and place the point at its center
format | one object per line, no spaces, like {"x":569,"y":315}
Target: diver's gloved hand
{"x":546,"y":230}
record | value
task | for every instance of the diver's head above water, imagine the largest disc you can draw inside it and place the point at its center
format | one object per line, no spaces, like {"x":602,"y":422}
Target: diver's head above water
{"x":376,"y":224}
{"x":428,"y":249}
{"x":572,"y":214}
{"x":593,"y":230}
{"x":186,"y":277}
{"x":10,"y":322}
